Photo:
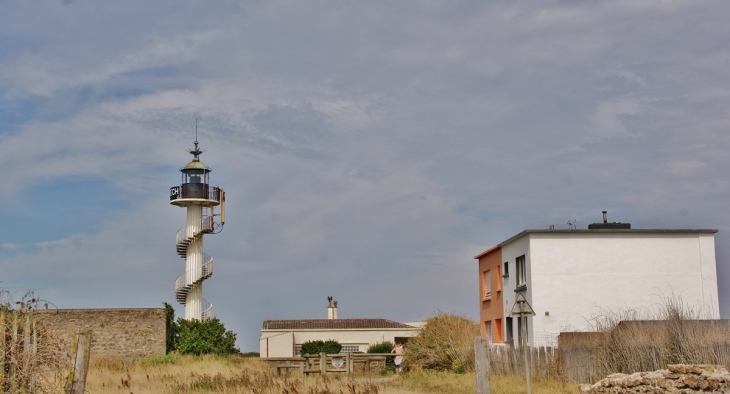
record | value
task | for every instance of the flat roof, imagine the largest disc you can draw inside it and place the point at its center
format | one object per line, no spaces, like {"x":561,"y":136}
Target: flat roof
{"x":595,"y":231}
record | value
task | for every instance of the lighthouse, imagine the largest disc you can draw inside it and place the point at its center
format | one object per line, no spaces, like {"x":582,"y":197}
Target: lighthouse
{"x":199,"y":200}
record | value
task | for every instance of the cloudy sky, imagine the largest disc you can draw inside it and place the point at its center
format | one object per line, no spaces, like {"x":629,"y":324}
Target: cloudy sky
{"x":368,"y":149}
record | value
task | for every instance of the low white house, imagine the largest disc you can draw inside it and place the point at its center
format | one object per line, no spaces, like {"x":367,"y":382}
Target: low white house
{"x":284,"y":338}
{"x":570,"y":276}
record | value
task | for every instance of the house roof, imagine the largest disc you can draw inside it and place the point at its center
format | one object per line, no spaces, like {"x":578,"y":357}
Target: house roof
{"x":595,"y":231}
{"x":332,"y":324}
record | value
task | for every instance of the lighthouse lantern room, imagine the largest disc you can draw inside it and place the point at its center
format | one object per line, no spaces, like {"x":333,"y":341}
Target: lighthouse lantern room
{"x":200,"y":200}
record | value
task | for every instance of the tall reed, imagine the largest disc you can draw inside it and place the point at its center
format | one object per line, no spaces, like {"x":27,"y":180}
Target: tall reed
{"x":649,"y":339}
{"x":31,"y":360}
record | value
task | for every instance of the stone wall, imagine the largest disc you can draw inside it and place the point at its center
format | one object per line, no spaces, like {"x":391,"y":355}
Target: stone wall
{"x":127,"y":334}
{"x":678,"y":378}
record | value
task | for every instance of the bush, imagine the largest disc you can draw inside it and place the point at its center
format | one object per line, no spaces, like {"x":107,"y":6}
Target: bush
{"x":197,"y":337}
{"x":445,"y":343}
{"x":172,"y":329}
{"x":382,"y":347}
{"x":205,"y":337}
{"x":316,"y":347}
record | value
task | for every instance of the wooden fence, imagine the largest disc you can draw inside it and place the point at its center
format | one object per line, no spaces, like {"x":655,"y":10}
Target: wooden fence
{"x":505,"y":360}
{"x":347,"y":363}
{"x":582,"y":365}
{"x":634,"y":346}
{"x":579,"y":364}
{"x":30,"y":360}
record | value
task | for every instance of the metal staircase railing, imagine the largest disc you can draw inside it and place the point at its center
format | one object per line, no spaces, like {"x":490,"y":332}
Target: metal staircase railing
{"x":207,"y":226}
{"x":207,"y":309}
{"x":183,"y":283}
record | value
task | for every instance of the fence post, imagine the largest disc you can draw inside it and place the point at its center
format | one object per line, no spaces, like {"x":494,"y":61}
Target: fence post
{"x":3,"y":350}
{"x":348,"y":362}
{"x":14,"y":355}
{"x":77,"y":379}
{"x":323,"y":364}
{"x":481,"y":359}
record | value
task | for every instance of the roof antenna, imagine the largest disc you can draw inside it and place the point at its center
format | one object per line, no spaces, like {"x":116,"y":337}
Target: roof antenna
{"x":196,"y":153}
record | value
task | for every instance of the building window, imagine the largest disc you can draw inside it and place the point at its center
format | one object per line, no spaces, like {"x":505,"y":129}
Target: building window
{"x":350,"y":348}
{"x":297,"y":350}
{"x":487,"y":283}
{"x":508,"y":326}
{"x":521,"y":271}
{"x":506,"y":270}
{"x":498,"y":331}
{"x":488,"y":330}
{"x":499,"y":279}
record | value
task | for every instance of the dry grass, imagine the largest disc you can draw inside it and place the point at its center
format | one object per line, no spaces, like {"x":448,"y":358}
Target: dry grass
{"x":448,"y":382}
{"x":30,"y":358}
{"x":213,"y":374}
{"x":210,"y":374}
{"x":446,"y":342}
{"x":628,"y":341}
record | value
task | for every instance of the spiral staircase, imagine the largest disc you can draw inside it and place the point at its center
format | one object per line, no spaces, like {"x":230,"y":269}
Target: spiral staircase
{"x":190,"y":278}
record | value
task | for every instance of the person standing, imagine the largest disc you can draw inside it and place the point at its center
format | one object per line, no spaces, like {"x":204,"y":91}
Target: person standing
{"x":398,"y":350}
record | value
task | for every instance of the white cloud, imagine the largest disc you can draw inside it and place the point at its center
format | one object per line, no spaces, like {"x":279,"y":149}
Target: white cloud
{"x":10,"y":246}
{"x":609,"y":118}
{"x":359,"y":144}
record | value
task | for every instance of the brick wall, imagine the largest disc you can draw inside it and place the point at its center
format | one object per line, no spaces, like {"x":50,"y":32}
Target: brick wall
{"x":124,"y":333}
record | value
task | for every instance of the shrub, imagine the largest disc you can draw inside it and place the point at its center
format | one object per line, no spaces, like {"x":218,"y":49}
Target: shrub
{"x":316,"y":347}
{"x":172,"y":329}
{"x":331,"y":347}
{"x":197,"y":337}
{"x":205,"y":337}
{"x":445,"y":343}
{"x":382,"y":347}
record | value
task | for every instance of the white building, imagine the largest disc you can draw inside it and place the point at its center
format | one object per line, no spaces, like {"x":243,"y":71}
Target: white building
{"x":284,"y":338}
{"x":570,"y":276}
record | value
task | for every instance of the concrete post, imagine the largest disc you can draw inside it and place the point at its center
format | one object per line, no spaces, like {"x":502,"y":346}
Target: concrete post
{"x":77,"y":379}
{"x":481,"y":349}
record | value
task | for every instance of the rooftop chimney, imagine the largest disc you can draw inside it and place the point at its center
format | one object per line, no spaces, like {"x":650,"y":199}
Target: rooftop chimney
{"x":609,"y":226}
{"x":331,"y":310}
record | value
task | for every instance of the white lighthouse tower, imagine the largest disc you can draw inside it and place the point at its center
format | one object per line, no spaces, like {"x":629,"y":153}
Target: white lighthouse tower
{"x":200,"y":200}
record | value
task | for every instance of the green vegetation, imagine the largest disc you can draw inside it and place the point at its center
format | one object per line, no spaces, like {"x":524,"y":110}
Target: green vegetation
{"x":205,"y":337}
{"x":382,"y":347}
{"x":316,"y":347}
{"x":172,"y":329}
{"x":198,"y":337}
